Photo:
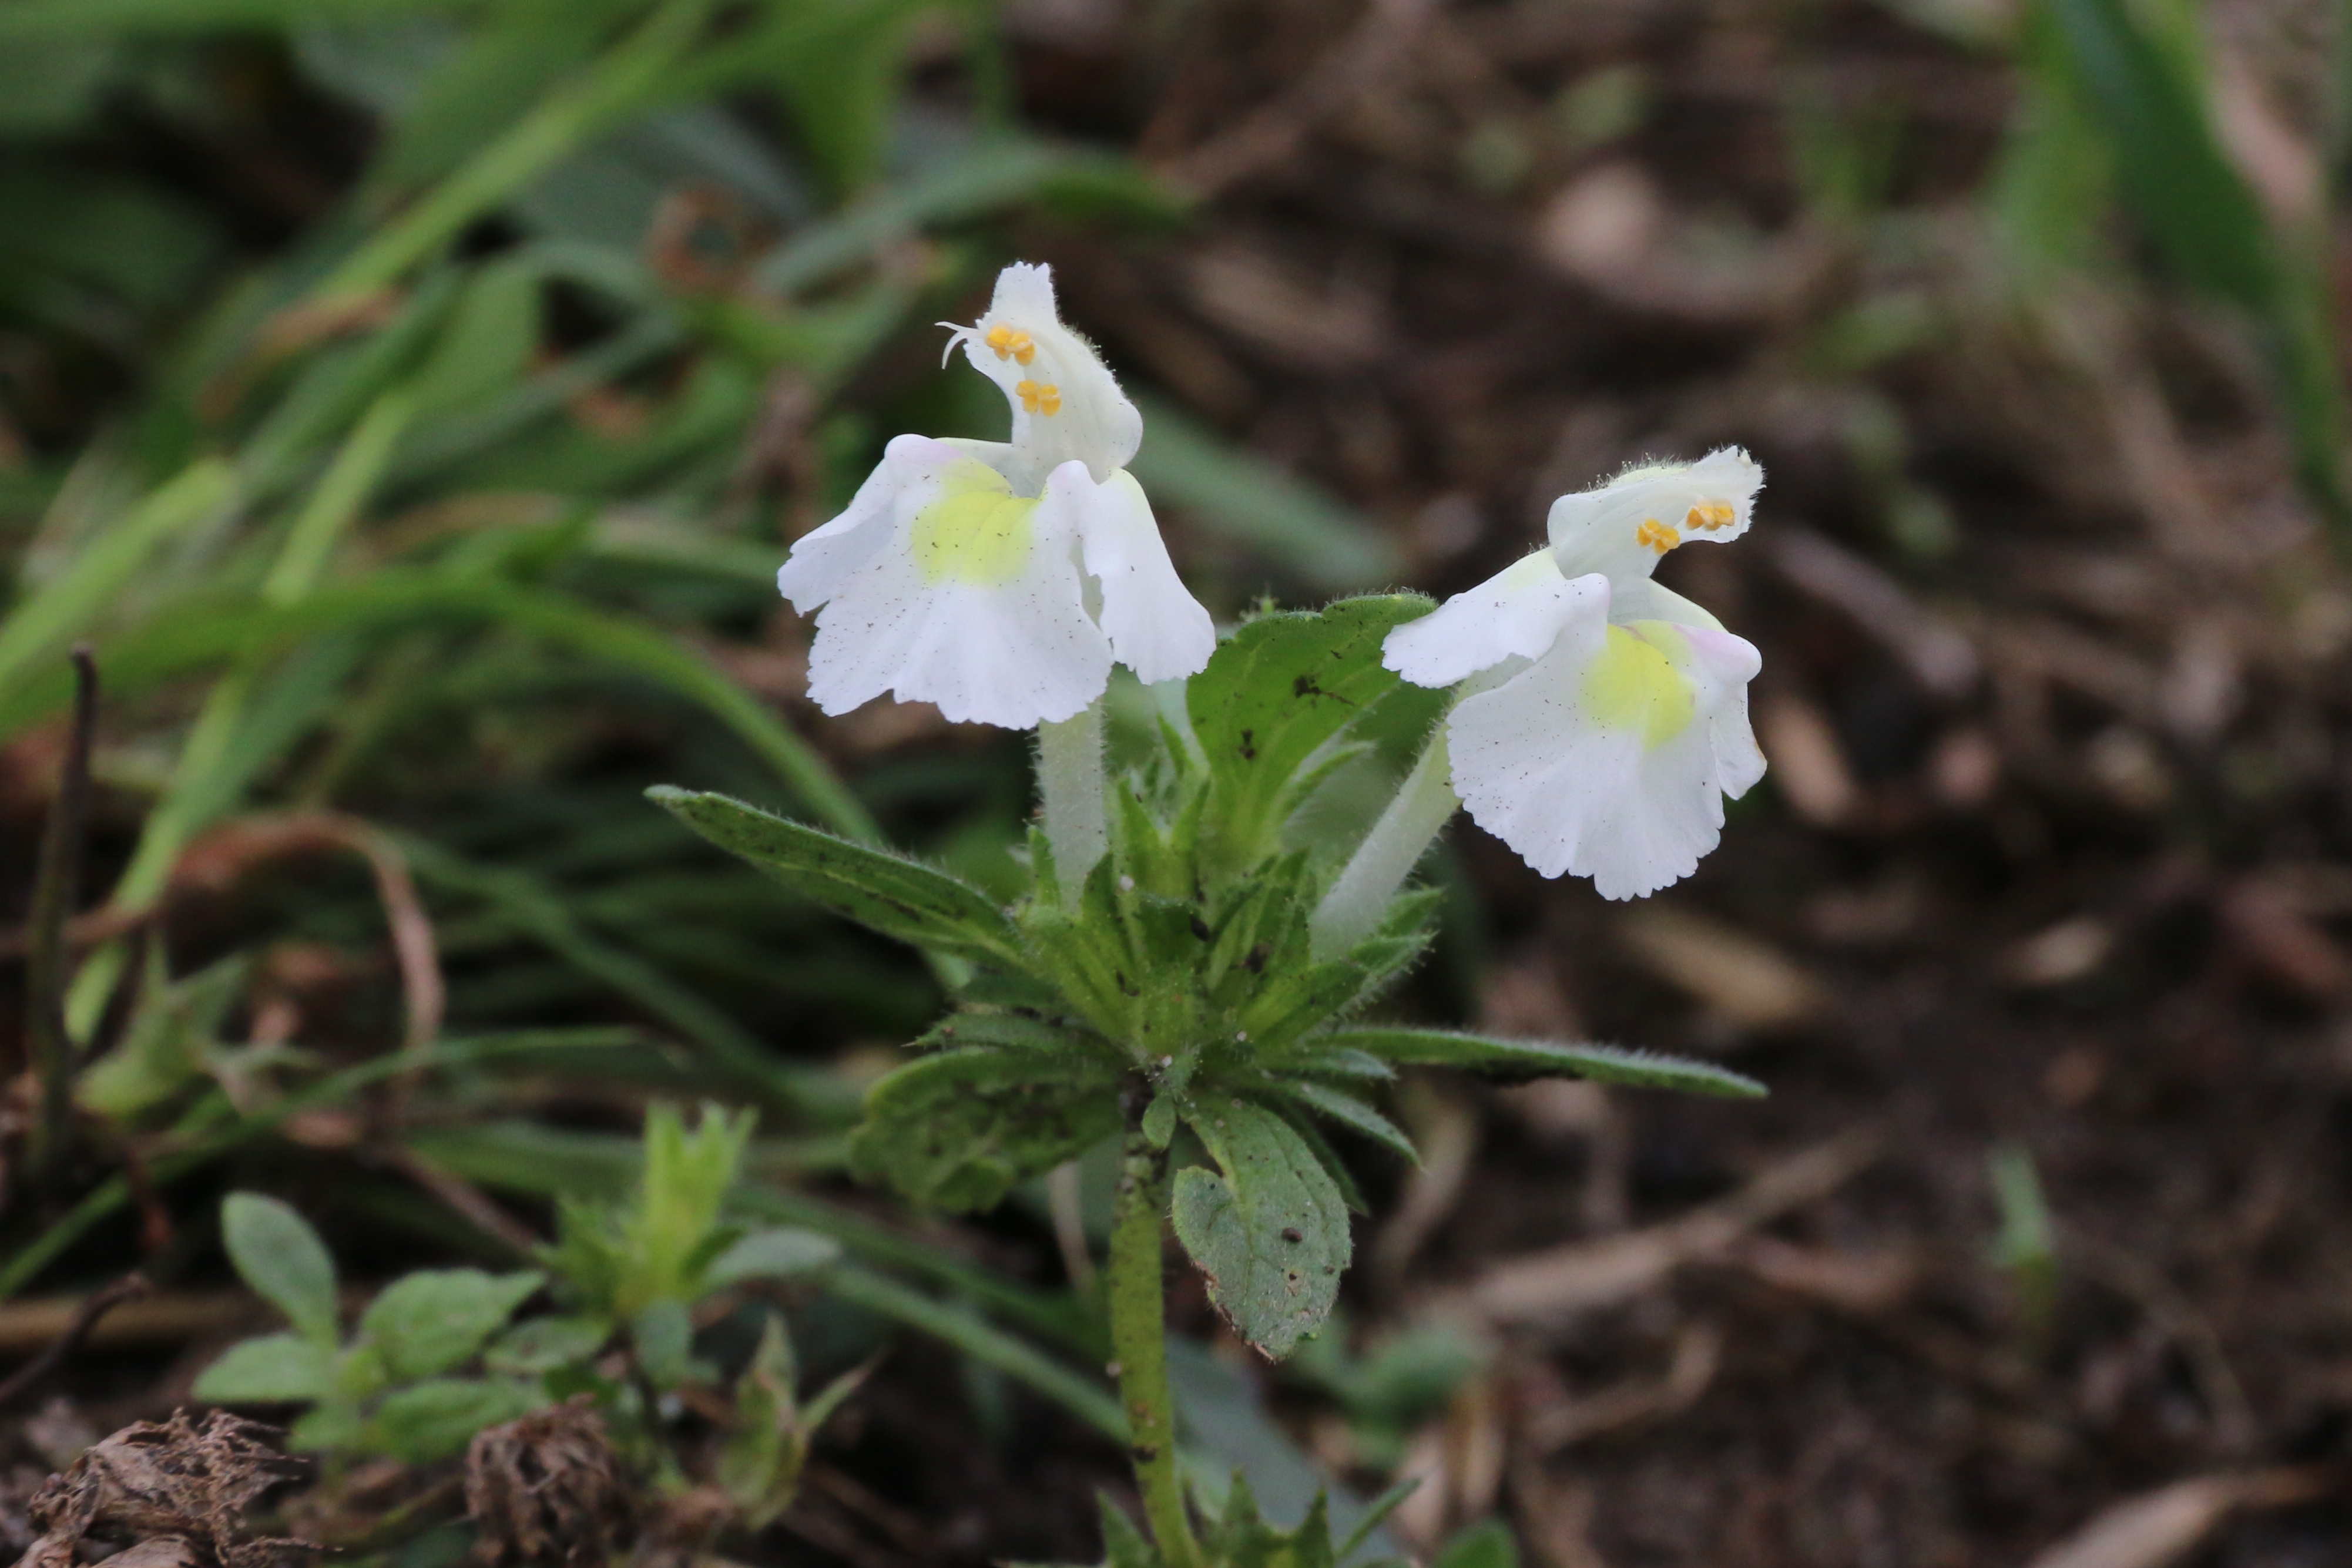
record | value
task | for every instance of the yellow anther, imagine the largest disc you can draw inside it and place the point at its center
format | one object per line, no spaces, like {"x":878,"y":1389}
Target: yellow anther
{"x":1039,"y":397}
{"x":1011,"y":343}
{"x":1708,"y":516}
{"x":1656,"y":534}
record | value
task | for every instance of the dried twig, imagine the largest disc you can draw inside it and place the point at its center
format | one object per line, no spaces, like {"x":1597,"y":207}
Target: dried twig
{"x":166,"y":1318}
{"x":94,"y":1306}
{"x":2165,"y":1525}
{"x":466,"y":1199}
{"x":1588,"y":1274}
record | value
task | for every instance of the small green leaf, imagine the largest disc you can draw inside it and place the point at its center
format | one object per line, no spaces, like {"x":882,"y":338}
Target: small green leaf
{"x":957,"y":1130}
{"x":436,"y":1420}
{"x":1487,"y":1545}
{"x":887,"y":893}
{"x":1544,"y":1059}
{"x":335,"y":1426}
{"x":277,"y":1253}
{"x":1274,"y":694}
{"x":1268,"y":1228}
{"x":431,"y":1321}
{"x":759,"y":1465}
{"x":771,"y":1255}
{"x":1353,"y":1114}
{"x":1123,"y":1545}
{"x":543,"y":1344}
{"x":274,"y":1369}
{"x":663,"y":1334}
{"x":1159,"y":1119}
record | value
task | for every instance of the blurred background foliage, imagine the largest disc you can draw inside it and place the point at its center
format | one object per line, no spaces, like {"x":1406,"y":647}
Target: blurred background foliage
{"x":410,"y":401}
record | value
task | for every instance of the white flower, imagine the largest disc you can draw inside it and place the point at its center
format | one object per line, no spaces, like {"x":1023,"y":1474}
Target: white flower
{"x":1610,"y":718}
{"x":960,"y":573}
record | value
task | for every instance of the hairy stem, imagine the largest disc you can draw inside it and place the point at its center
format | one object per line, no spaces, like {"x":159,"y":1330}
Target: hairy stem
{"x":1424,"y":803}
{"x":1138,"y":1339}
{"x":1070,"y":781}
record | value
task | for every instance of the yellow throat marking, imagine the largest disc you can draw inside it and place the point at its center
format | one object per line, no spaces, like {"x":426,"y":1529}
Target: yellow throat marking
{"x":976,"y":532}
{"x":1634,"y":685}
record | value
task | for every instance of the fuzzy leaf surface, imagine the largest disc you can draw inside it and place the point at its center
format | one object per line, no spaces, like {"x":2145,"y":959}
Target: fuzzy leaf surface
{"x":436,"y":1420}
{"x":957,"y":1130}
{"x":1544,"y":1059}
{"x":887,"y":893}
{"x":277,"y":1253}
{"x":433,"y":1321}
{"x":1268,"y":1227}
{"x":273,"y":1369}
{"x":1273,"y":695}
{"x":1352,"y":1114}
{"x":773,"y":1254}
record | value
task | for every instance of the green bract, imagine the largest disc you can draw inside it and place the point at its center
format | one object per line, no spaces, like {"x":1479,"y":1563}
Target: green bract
{"x":1176,"y":985}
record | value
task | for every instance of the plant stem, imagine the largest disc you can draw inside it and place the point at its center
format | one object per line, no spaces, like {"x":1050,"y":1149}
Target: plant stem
{"x":1070,"y":782}
{"x":1424,"y":803}
{"x":1138,"y":1339}
{"x":56,"y":880}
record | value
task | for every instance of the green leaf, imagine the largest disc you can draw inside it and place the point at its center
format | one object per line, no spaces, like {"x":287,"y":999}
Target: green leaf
{"x":1244,"y":1536}
{"x":2142,"y":89}
{"x":1353,"y":1114}
{"x":486,"y":345}
{"x":776,"y":1254}
{"x":436,"y":1420}
{"x":1268,"y":1228}
{"x":759,"y":1465}
{"x":543,"y":1344}
{"x":841,"y":83}
{"x":204,"y":630}
{"x":165,"y":1049}
{"x":1486,"y":1544}
{"x":955,"y":1131}
{"x":662,"y":1336}
{"x":1543,"y":1059}
{"x":276,"y":1251}
{"x":1123,"y":1545}
{"x":38,"y":626}
{"x":274,"y":1369}
{"x":432,"y":1321}
{"x":887,"y":893}
{"x":672,"y":1232}
{"x":1273,"y":697}
{"x":335,"y":1426}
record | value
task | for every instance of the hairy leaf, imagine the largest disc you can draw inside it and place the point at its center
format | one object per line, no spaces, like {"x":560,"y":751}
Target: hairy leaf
{"x":431,"y":1321}
{"x":1279,"y":690}
{"x":1268,"y":1228}
{"x":1544,"y":1059}
{"x":277,"y":1253}
{"x":275,"y":1368}
{"x":436,"y":1420}
{"x":957,"y":1130}
{"x":543,"y":1344}
{"x":773,"y":1254}
{"x":1353,"y":1114}
{"x":887,"y":893}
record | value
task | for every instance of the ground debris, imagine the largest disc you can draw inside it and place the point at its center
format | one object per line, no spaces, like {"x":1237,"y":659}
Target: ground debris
{"x":549,"y":1489}
{"x":174,"y":1492}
